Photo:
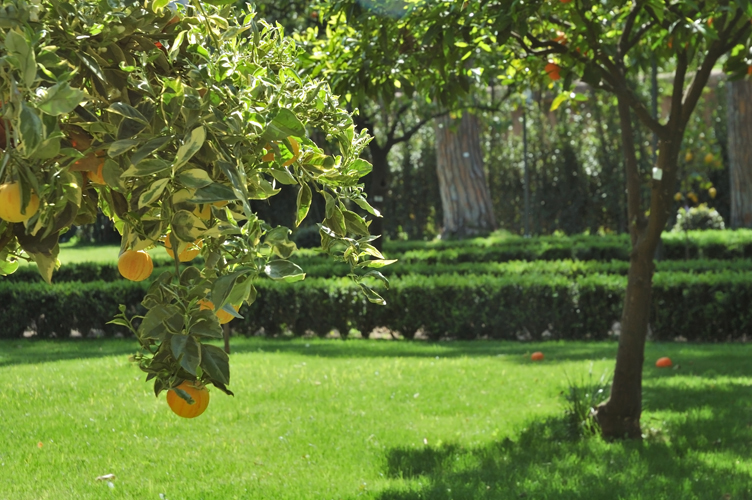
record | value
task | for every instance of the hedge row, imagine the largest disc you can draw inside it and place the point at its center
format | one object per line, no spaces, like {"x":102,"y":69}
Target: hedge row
{"x":707,"y":307}
{"x":325,"y":268}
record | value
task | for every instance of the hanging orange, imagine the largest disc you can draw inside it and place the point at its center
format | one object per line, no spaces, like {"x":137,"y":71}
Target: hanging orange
{"x":222,"y":315}
{"x":135,"y":265}
{"x":203,"y":211}
{"x":552,"y":70}
{"x":537,"y":356}
{"x":186,"y":255}
{"x":664,"y":362}
{"x":10,"y":203}
{"x":180,"y":406}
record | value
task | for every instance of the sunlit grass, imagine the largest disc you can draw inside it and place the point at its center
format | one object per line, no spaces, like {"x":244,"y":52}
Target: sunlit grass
{"x":367,"y":419}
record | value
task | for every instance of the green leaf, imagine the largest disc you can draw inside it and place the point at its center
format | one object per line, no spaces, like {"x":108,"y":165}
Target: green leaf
{"x":284,"y":270}
{"x":187,"y":226}
{"x":305,"y":198}
{"x":154,"y":324}
{"x":283,"y":176}
{"x":337,"y":222}
{"x":127,"y":111}
{"x":158,"y":5}
{"x":8,"y":267}
{"x":119,"y":147}
{"x":150,"y":147}
{"x":377,"y":263}
{"x":362,"y":203}
{"x":213,"y":192}
{"x":188,"y":350}
{"x":31,"y":129}
{"x":195,"y":178}
{"x":207,"y":327}
{"x":60,"y":99}
{"x":216,"y":363}
{"x":153,"y":193}
{"x":17,"y":46}
{"x":560,"y":99}
{"x":189,"y":147}
{"x":223,"y":288}
{"x":146,"y":167}
{"x":355,"y":224}
{"x":371,"y":295}
{"x":362,"y":167}
{"x":46,"y":263}
{"x":284,"y":124}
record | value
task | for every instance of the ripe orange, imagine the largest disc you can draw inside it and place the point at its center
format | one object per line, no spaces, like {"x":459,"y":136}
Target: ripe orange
{"x":295,"y":152}
{"x":203,"y":211}
{"x":10,"y":203}
{"x":709,"y":158}
{"x":180,"y":406}
{"x":269,"y":156}
{"x":663,"y":362}
{"x":96,"y":177}
{"x":537,"y":356}
{"x":186,"y":255}
{"x":552,"y":69}
{"x":678,"y":197}
{"x":223,"y":316}
{"x":692,"y":196}
{"x":135,"y":265}
{"x":688,"y":157}
{"x":712,"y":192}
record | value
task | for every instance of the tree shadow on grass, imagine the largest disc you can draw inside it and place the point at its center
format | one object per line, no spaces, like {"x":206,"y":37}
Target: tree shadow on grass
{"x":558,"y":351}
{"x":25,"y":351}
{"x":695,"y":454}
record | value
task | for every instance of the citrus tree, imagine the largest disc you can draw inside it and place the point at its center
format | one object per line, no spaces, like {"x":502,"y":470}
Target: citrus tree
{"x":609,"y":45}
{"x":170,"y":119}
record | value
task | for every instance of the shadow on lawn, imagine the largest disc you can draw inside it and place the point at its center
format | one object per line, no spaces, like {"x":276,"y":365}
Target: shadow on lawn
{"x":556,"y":351}
{"x":25,"y":351}
{"x":544,"y":464}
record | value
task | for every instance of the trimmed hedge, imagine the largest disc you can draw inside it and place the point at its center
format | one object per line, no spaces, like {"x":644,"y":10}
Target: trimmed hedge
{"x":706,"y":307}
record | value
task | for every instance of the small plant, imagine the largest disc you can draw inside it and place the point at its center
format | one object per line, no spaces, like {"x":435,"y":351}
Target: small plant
{"x":581,"y":398}
{"x":700,"y":217}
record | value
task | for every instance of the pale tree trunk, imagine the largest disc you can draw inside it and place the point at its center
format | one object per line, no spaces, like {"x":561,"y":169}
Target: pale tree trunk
{"x":739,"y":116}
{"x":465,"y":197}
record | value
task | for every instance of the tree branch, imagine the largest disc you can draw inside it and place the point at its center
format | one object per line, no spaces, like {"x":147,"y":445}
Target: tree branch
{"x":624,"y":39}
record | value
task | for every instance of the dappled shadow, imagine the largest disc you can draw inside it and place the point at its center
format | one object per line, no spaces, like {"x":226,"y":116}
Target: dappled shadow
{"x":543,"y":464}
{"x":27,"y":351}
{"x":357,"y":348}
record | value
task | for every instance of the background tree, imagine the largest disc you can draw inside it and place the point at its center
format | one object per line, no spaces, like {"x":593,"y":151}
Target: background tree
{"x":740,"y":151}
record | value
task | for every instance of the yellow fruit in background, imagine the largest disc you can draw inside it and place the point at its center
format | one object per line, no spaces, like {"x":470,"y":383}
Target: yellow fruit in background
{"x":688,"y":157}
{"x":96,"y":177}
{"x":180,"y":406}
{"x":222,"y":316}
{"x":709,"y":158}
{"x":678,"y":197}
{"x":220,"y":204}
{"x":712,"y":192}
{"x":692,"y":196}
{"x":10,"y":203}
{"x":203,"y":211}
{"x":186,"y":255}
{"x":135,"y":266}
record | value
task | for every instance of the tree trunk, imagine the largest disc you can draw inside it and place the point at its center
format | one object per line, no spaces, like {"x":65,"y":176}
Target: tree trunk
{"x":465,"y":197}
{"x":739,"y":123}
{"x":619,"y":417}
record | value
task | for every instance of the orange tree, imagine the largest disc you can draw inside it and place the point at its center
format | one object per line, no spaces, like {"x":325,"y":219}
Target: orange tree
{"x":170,"y":119}
{"x":609,"y":45}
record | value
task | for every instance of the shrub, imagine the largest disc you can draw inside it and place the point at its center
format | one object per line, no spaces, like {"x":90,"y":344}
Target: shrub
{"x":700,"y":218}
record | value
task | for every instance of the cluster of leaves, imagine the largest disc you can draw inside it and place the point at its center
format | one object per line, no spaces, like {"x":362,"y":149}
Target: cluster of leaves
{"x":188,"y":113}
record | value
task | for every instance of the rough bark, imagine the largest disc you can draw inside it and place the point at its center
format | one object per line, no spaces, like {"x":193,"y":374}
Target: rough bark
{"x":465,"y":197}
{"x":739,"y":123}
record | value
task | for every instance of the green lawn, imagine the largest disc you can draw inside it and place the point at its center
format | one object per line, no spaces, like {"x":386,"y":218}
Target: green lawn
{"x":369,"y":419}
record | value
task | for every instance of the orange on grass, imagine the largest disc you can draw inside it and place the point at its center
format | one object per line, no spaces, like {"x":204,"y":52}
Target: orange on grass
{"x":222,"y":316}
{"x":537,"y":356}
{"x":188,"y":254}
{"x":135,"y":265}
{"x":180,"y":406}
{"x":10,"y":203}
{"x":663,"y":362}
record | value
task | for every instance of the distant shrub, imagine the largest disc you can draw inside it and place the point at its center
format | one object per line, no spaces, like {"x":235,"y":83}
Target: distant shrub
{"x":700,"y":218}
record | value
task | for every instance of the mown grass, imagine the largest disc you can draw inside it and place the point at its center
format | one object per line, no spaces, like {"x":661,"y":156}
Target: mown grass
{"x":368,"y":419}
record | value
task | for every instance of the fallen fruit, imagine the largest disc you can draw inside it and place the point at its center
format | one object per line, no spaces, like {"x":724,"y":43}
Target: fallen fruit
{"x":663,"y":363}
{"x":537,"y":356}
